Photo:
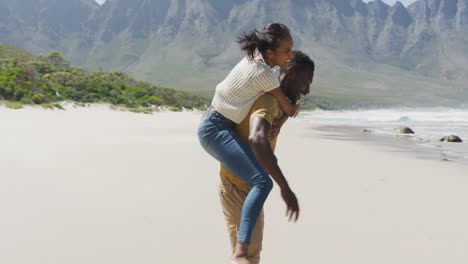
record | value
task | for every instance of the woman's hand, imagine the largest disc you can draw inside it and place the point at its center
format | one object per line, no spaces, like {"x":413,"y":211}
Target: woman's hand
{"x":276,"y":127}
{"x":296,"y":108}
{"x":292,"y":205}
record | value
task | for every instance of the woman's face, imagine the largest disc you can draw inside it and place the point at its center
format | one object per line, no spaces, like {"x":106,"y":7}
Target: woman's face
{"x":281,"y":55}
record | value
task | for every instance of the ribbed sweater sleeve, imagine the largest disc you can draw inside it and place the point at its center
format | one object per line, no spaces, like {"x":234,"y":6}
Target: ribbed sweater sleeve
{"x":244,"y":84}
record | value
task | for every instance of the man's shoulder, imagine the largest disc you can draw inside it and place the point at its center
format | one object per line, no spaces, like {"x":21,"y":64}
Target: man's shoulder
{"x":266,"y":107}
{"x":266,"y":101}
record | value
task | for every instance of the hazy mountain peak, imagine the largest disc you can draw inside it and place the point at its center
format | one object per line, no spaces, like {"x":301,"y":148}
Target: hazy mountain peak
{"x":360,"y":7}
{"x":399,"y":14}
{"x":398,"y":4}
{"x":379,"y":3}
{"x":379,"y":9}
{"x":90,"y":3}
{"x":343,"y":6}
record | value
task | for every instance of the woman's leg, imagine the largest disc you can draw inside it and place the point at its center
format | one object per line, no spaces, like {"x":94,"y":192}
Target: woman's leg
{"x":219,"y":139}
{"x":232,"y":199}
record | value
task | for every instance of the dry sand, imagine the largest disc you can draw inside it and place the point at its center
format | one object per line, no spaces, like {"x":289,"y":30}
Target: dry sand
{"x":92,"y":185}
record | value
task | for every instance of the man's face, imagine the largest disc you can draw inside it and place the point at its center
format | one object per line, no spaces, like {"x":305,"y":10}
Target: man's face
{"x":296,"y":83}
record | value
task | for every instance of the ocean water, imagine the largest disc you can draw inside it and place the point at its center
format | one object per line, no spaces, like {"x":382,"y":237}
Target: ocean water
{"x":429,"y":125}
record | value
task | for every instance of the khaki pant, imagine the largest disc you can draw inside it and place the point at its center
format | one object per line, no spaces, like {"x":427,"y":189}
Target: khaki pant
{"x":232,"y":198}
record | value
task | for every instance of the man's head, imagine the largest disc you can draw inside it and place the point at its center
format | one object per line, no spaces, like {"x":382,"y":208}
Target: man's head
{"x":296,"y":80}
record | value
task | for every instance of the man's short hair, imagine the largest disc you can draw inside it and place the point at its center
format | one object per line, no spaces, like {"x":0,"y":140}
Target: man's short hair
{"x":302,"y":61}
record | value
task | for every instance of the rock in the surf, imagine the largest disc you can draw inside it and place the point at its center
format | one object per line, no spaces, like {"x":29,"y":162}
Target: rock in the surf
{"x":404,"y":130}
{"x":451,"y":138}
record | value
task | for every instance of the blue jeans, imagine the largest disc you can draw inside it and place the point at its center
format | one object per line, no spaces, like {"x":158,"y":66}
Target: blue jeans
{"x":218,"y":137}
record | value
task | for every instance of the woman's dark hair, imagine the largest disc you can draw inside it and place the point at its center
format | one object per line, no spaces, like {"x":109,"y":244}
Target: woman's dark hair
{"x":267,"y":38}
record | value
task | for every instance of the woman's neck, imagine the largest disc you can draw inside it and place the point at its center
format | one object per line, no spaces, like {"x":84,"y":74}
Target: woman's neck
{"x":260,"y":58}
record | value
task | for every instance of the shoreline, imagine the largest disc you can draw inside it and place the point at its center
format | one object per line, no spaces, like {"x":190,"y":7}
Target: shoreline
{"x":410,"y":145}
{"x":67,"y":105}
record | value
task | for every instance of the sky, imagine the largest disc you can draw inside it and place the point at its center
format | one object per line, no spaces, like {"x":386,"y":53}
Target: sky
{"x":389,"y":2}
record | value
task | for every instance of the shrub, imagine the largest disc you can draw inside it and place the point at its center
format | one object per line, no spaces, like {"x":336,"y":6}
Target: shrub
{"x":58,"y":106}
{"x":175,"y":108}
{"x":26,"y":100}
{"x":47,"y":106}
{"x":38,"y":98}
{"x":13,"y":105}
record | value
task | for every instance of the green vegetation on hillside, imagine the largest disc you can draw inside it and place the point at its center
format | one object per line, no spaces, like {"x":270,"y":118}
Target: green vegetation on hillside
{"x":7,"y":51}
{"x":47,"y":79}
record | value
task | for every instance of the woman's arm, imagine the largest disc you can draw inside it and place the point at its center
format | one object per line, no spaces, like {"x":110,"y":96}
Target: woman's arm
{"x":276,"y":128}
{"x":286,"y":106}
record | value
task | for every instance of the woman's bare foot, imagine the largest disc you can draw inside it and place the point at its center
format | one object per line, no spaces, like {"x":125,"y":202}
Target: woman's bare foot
{"x":240,"y":254}
{"x":242,"y":260}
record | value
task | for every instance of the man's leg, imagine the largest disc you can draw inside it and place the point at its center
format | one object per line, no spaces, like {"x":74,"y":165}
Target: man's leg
{"x":232,"y":199}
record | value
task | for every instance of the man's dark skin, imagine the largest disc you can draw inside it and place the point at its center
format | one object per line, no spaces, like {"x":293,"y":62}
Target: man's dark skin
{"x":295,"y":84}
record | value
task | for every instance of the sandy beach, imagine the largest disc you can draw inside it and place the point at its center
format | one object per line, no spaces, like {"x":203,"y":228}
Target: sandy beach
{"x":93,"y":185}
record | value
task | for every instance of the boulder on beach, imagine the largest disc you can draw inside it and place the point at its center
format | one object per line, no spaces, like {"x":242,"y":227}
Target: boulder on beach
{"x":404,"y":130}
{"x":451,"y":138}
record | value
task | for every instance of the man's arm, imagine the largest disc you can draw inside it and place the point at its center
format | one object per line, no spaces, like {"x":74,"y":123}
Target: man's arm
{"x":258,"y":139}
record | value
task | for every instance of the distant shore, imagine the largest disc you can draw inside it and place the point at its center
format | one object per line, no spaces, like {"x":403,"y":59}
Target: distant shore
{"x":94,"y":185}
{"x":409,"y":145}
{"x":426,"y":127}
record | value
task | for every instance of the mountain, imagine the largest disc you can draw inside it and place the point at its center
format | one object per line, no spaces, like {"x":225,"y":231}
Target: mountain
{"x":366,"y":53}
{"x":43,"y":25}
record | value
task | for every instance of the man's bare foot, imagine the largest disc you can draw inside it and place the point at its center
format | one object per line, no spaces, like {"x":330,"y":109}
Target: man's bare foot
{"x":239,"y":260}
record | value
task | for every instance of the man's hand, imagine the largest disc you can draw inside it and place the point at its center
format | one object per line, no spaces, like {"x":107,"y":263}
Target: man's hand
{"x":292,"y":205}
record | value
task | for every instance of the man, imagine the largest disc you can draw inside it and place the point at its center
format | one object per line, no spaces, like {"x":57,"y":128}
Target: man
{"x":260,"y":131}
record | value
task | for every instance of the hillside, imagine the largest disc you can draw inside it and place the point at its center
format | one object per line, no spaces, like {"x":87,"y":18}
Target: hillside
{"x":7,"y":51}
{"x":48,"y":80}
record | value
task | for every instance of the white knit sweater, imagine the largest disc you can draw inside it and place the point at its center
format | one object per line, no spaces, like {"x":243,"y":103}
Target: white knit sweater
{"x":245,"y":83}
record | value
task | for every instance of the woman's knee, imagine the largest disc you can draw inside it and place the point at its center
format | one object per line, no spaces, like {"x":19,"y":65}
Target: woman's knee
{"x":265,"y":183}
{"x":269,"y":184}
